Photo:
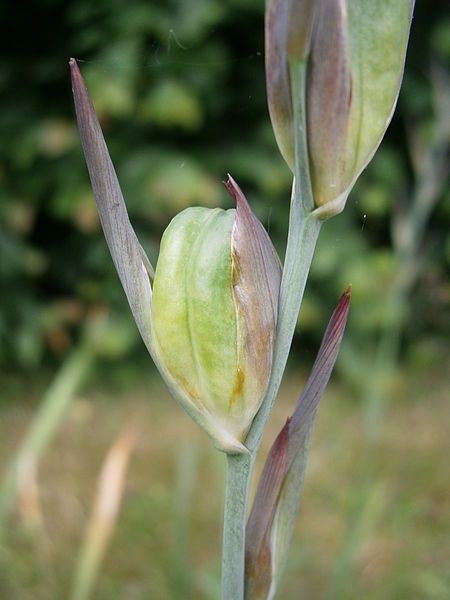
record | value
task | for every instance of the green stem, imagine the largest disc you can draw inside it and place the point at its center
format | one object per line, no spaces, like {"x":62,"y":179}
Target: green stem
{"x":304,"y":229}
{"x":299,"y":253}
{"x":239,"y":469}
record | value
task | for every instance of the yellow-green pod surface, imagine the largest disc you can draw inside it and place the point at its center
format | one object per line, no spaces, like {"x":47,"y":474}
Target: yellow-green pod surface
{"x":213,"y":324}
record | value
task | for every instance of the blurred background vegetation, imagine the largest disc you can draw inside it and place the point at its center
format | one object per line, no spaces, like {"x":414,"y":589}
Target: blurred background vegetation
{"x":179,"y":89}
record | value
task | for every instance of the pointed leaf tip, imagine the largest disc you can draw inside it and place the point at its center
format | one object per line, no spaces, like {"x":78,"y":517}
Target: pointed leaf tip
{"x":308,"y":403}
{"x":277,"y":498}
{"x":77,"y":79}
{"x":134,"y":270}
{"x":235,"y":192}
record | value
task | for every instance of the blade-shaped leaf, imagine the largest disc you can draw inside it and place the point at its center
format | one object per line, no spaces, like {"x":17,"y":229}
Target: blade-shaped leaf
{"x":275,"y":507}
{"x":133,"y":266}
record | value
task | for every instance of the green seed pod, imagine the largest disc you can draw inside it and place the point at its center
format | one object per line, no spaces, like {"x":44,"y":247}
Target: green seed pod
{"x":355,"y":52}
{"x":208,"y":314}
{"x":214,"y":310}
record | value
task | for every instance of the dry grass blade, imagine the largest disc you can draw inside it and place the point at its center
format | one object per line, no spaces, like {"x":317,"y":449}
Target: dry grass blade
{"x":28,"y":500}
{"x":51,"y":412}
{"x":104,"y":515}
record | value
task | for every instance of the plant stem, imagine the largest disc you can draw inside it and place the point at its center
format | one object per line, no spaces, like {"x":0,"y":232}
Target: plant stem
{"x":304,"y":228}
{"x":299,"y":253}
{"x":303,"y":234}
{"x":239,"y":469}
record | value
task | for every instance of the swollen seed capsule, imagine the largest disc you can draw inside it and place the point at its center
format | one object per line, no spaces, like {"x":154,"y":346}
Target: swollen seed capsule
{"x":208,"y":315}
{"x":214,"y":308}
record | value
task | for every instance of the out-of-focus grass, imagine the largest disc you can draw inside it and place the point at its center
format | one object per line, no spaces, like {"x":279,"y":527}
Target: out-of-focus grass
{"x":174,"y":490}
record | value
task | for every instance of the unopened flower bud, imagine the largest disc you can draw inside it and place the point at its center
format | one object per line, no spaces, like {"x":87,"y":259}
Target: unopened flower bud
{"x":355,"y":67}
{"x":214,"y":310}
{"x":208,"y":314}
{"x":289,"y":25}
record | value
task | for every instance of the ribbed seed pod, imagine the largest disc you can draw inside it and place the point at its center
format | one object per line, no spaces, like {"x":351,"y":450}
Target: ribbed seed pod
{"x":208,"y":314}
{"x":214,"y":312}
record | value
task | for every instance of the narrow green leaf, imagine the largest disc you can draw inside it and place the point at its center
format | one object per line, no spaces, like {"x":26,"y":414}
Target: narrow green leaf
{"x":133,"y":266}
{"x":275,"y":508}
{"x":258,"y":555}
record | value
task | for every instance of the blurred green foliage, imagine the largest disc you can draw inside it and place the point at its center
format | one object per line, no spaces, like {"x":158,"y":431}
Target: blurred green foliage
{"x":179,"y":89}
